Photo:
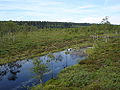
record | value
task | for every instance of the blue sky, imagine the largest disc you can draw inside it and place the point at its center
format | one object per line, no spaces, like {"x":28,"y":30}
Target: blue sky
{"x":90,"y":11}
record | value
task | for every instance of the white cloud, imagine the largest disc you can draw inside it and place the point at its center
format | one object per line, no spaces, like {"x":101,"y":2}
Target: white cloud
{"x":114,"y":19}
{"x":57,"y":10}
{"x":91,"y":19}
{"x":87,"y":6}
{"x":113,"y":8}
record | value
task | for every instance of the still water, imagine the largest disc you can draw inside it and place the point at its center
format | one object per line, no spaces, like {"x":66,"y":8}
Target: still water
{"x":18,"y":75}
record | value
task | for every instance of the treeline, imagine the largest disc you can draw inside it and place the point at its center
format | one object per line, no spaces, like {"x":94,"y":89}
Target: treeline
{"x":46,"y":24}
{"x":11,"y":27}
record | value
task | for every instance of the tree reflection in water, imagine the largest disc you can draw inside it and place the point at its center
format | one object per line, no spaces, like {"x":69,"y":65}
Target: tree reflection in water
{"x":11,"y":69}
{"x":50,"y":60}
{"x":39,"y":69}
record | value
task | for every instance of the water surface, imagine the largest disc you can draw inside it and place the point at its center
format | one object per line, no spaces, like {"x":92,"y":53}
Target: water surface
{"x":16,"y":75}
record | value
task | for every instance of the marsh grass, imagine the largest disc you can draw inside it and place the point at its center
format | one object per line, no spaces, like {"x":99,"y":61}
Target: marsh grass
{"x":26,"y":44}
{"x":100,"y":71}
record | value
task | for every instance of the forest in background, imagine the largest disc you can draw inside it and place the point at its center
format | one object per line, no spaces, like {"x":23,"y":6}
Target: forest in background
{"x":47,"y":24}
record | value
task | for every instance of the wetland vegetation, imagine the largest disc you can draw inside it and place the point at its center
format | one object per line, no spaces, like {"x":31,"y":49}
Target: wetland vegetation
{"x":99,"y":71}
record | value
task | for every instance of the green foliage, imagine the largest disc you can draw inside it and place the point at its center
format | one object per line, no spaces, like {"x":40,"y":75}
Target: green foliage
{"x":39,"y":69}
{"x":23,"y":41}
{"x":46,"y":24}
{"x":100,"y":71}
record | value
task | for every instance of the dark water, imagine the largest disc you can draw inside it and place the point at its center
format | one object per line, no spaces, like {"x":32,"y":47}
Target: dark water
{"x":16,"y":75}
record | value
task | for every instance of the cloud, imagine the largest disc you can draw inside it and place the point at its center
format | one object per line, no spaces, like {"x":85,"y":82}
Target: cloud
{"x":60,"y":10}
{"x":92,"y":19}
{"x":28,"y":4}
{"x":114,"y":19}
{"x":87,"y":6}
{"x":113,"y":8}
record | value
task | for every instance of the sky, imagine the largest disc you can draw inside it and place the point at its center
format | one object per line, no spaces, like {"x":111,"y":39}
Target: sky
{"x":79,"y":11}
